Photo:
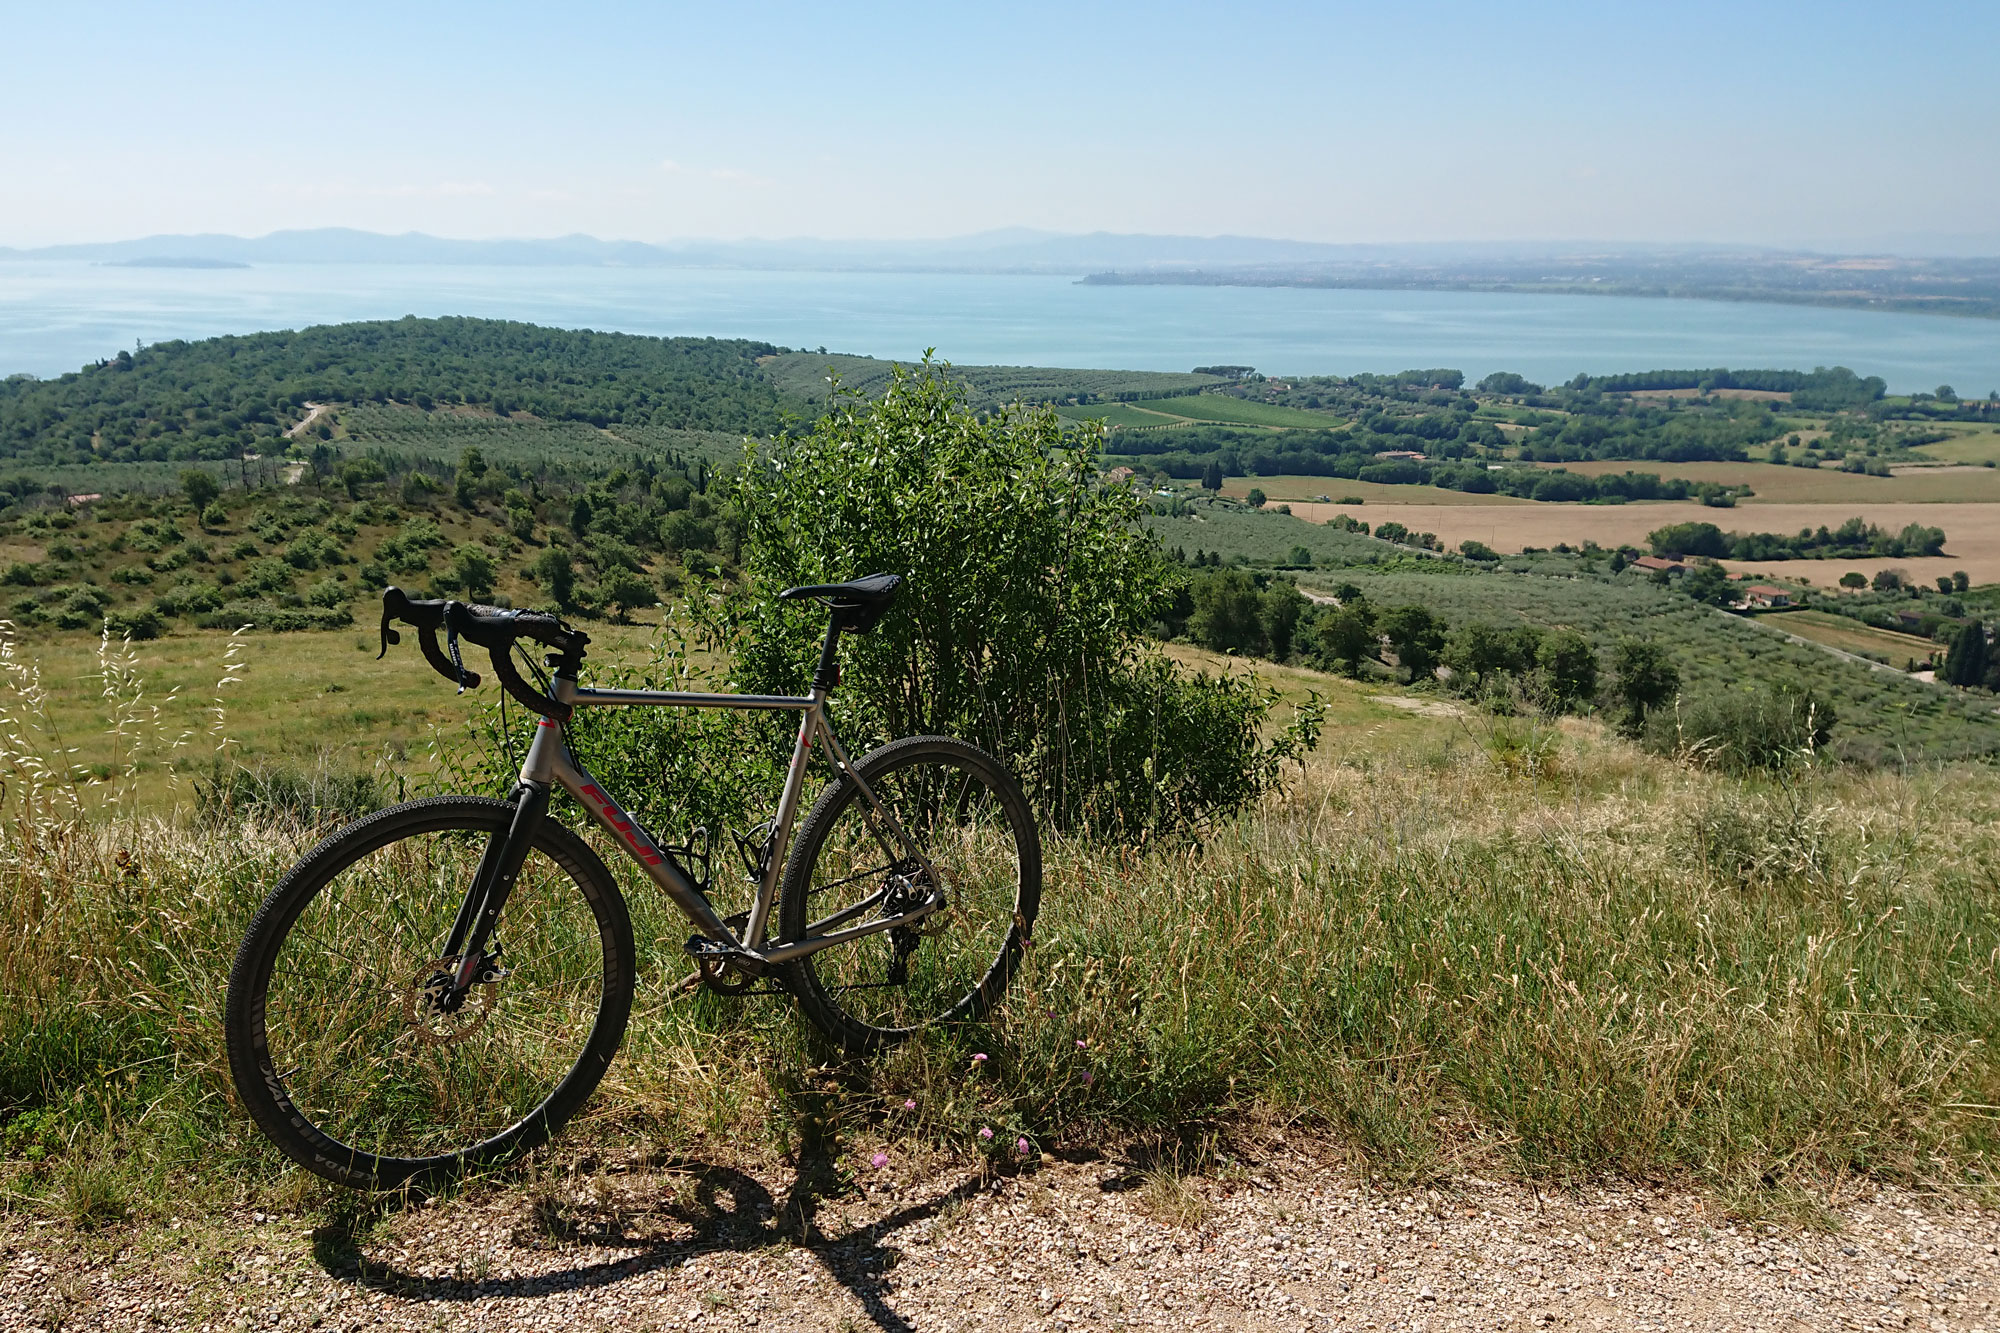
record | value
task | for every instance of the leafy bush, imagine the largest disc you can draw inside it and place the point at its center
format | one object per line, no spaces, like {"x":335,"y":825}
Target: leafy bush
{"x":136,"y":623}
{"x":1021,"y":628}
{"x":1744,"y":731}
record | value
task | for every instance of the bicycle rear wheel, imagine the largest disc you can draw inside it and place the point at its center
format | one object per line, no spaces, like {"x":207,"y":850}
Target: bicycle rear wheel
{"x":336,"y":1045}
{"x":974,"y":838}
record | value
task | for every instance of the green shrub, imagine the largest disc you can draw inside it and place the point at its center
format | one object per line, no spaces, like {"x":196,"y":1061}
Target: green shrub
{"x":1021,"y":628}
{"x":138,"y":622}
{"x":1744,"y":731}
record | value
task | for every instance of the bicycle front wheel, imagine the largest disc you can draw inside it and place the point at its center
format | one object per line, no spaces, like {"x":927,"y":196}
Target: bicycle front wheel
{"x":338,"y":1047}
{"x":946,"y":817}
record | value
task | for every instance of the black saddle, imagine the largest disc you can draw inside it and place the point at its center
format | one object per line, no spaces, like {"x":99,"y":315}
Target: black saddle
{"x":857,"y":604}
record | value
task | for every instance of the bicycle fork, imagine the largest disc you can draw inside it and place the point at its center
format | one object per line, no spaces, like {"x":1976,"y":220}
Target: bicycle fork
{"x":499,"y":867}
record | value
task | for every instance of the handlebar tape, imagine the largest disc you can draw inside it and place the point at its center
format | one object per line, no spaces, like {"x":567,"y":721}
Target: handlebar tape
{"x":491,"y":628}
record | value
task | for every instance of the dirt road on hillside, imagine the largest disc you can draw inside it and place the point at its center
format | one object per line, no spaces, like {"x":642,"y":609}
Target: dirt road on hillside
{"x":1281,"y":1242}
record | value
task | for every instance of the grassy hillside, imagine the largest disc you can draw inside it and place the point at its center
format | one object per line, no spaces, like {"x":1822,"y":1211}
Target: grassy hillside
{"x":222,"y":397}
{"x":1609,"y":966}
{"x":1884,"y":716}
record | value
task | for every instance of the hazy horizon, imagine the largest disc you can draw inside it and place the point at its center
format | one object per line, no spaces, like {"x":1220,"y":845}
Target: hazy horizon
{"x":1832,"y":127}
{"x":1916,"y":244}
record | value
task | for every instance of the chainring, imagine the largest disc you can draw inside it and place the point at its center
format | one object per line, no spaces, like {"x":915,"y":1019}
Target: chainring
{"x":724,"y":977}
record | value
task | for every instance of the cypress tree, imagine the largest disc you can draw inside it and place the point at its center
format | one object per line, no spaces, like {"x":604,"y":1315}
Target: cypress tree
{"x":1966,"y":666}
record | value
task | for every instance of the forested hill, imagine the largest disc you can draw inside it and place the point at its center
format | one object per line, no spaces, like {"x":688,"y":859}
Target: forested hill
{"x":222,"y":397}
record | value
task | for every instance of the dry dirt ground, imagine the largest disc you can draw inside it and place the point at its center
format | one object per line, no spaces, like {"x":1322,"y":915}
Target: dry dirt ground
{"x":1278,"y":1240}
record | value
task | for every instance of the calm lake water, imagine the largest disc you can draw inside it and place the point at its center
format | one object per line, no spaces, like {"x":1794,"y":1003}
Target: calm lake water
{"x":55,"y":317}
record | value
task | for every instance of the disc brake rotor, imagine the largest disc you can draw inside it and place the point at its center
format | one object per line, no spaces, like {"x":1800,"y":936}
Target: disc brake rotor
{"x":425,"y":1016}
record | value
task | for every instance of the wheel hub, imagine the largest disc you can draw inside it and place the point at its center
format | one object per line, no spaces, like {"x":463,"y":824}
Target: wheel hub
{"x":437,"y":1013}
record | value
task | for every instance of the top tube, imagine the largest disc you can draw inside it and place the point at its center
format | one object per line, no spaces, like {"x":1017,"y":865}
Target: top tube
{"x":576,"y":695}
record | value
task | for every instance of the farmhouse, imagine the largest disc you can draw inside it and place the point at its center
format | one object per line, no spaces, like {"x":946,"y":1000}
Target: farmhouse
{"x":1411,"y":454}
{"x":1765,"y":595}
{"x":1654,"y":564}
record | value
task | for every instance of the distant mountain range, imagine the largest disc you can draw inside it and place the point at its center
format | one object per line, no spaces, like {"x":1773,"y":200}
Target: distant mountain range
{"x":1925,"y":285}
{"x":1010,"y":250}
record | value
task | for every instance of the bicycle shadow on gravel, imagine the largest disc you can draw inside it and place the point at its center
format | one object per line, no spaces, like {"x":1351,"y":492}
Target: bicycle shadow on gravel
{"x":714,"y":1209}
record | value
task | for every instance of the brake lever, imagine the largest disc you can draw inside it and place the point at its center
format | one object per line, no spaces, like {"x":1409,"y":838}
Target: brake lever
{"x":389,"y":635}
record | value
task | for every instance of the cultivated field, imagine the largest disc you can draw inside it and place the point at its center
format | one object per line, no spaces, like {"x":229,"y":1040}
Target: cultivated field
{"x":1289,"y":490}
{"x":1969,"y":444}
{"x":1800,"y":485}
{"x":1851,"y":636}
{"x":1972,"y":530}
{"x":1210,"y":408}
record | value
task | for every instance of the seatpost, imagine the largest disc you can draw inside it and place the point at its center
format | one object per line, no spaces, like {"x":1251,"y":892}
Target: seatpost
{"x":828,"y":674}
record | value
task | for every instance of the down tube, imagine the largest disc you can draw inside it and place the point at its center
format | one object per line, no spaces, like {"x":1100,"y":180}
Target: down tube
{"x":611,"y":816}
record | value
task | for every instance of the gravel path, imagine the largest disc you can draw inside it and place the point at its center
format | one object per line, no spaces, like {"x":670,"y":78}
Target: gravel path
{"x":1284,"y":1242}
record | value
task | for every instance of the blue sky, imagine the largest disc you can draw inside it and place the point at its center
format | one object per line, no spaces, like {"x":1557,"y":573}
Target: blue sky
{"x":1829,"y":124}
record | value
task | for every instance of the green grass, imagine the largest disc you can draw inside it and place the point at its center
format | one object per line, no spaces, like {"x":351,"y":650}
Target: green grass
{"x":1129,"y":416}
{"x":1968,"y":444}
{"x":1852,"y":636}
{"x":1217,"y":407}
{"x":297,"y":702}
{"x":1266,"y":537}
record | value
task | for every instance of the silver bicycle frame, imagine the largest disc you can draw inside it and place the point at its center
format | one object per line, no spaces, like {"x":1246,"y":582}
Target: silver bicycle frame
{"x":550,"y":763}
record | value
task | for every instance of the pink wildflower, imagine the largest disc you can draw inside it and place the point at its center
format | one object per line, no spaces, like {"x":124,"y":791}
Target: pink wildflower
{"x":1088,"y":1078}
{"x":910,"y":1104}
{"x":1021,"y":1147}
{"x":980,"y":1058}
{"x":986,"y":1133}
{"x":879,"y":1160}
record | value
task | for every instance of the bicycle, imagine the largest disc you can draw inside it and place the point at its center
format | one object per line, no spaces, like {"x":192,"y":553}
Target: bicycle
{"x":442,"y":984}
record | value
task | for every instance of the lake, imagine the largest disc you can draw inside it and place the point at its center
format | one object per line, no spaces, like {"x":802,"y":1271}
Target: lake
{"x":55,"y":317}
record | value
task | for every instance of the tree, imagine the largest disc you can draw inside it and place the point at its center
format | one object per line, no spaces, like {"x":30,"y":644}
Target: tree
{"x":1643,"y":678}
{"x":626,"y":591}
{"x":1966,"y":666}
{"x":1689,"y":539}
{"x":1959,"y":581}
{"x":1570,"y":663}
{"x":1226,"y":613}
{"x":1853,"y":578}
{"x":1345,"y":635}
{"x":1709,"y":585}
{"x":1478,"y":653}
{"x":556,"y":573}
{"x":1256,"y":498}
{"x":472,"y":568}
{"x":682,"y":531}
{"x":199,"y":487}
{"x":1944,"y":583}
{"x":1890,"y":580}
{"x":1301,"y":557}
{"x":1278,"y":612}
{"x":1211,"y":477}
{"x":1416,"y":636}
{"x":1024,"y":623}
{"x":360,"y":472}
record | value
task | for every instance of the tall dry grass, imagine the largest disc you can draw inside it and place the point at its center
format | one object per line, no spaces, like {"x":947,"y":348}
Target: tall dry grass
{"x":1438,"y":956}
